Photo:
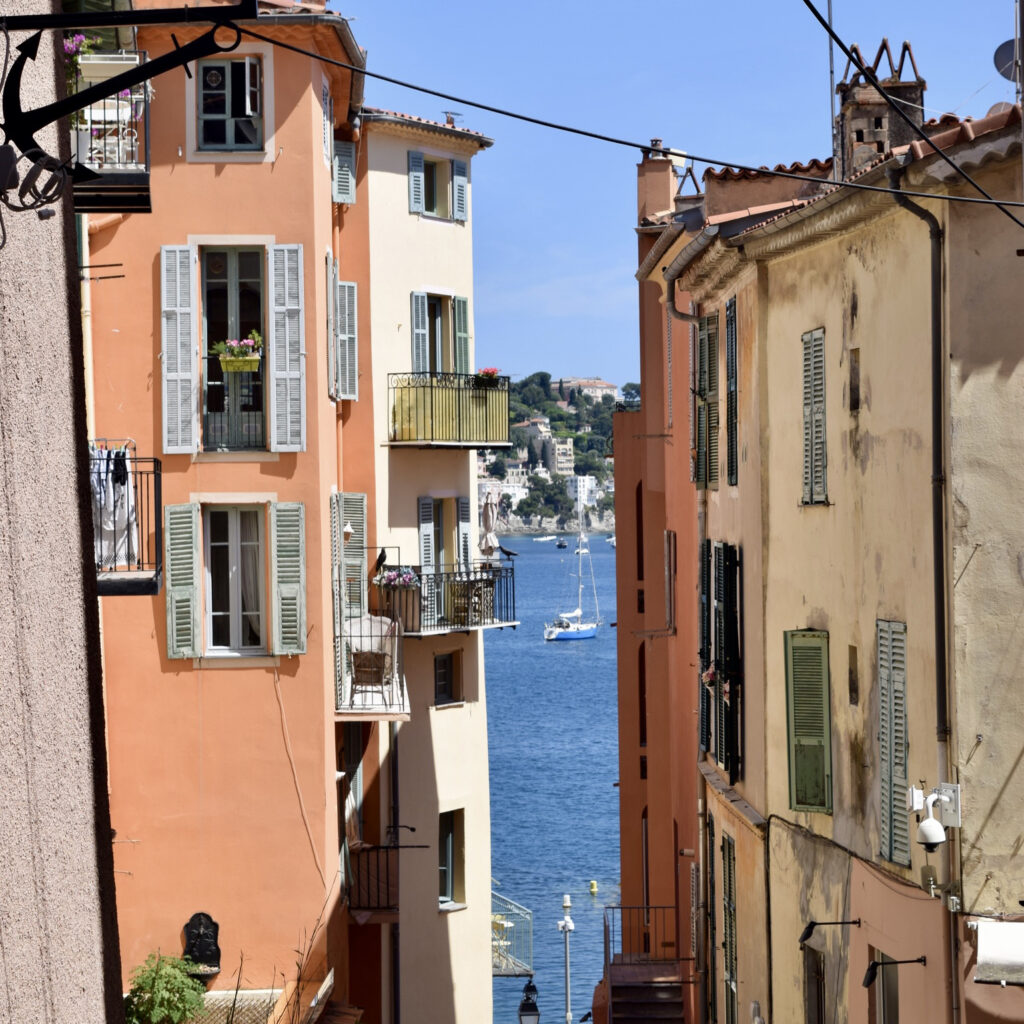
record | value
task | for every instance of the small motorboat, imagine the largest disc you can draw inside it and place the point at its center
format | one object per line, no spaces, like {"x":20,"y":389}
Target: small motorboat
{"x":561,"y":543}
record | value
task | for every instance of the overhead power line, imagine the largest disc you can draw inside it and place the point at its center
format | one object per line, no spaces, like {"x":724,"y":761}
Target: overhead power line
{"x":642,"y":146}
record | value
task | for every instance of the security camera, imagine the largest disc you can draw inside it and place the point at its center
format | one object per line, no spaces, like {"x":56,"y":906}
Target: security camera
{"x":930,"y":834}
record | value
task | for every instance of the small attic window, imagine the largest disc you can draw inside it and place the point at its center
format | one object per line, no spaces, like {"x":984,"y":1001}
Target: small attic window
{"x":878,"y":122}
{"x":859,"y":135}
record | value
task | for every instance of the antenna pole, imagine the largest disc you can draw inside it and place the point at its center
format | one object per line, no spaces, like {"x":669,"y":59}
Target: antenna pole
{"x":832,"y":94}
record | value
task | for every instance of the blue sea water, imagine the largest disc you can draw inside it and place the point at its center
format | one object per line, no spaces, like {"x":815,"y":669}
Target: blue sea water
{"x":553,"y":736}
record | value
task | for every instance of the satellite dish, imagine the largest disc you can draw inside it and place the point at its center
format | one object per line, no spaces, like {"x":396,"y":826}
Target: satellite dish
{"x":1004,"y":60}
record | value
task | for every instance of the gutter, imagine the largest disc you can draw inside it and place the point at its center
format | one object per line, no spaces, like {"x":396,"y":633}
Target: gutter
{"x":675,"y":269}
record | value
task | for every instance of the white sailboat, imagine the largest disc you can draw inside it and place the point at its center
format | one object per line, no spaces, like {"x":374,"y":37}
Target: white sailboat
{"x":572,"y":625}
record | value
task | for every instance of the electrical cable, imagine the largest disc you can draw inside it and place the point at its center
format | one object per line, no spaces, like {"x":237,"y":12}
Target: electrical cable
{"x":644,"y":147}
{"x":872,"y":79}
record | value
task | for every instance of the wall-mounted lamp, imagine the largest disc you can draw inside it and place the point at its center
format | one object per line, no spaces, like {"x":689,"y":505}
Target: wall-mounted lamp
{"x":347,"y":531}
{"x":528,"y":1012}
{"x":811,"y":925}
{"x":872,"y":972}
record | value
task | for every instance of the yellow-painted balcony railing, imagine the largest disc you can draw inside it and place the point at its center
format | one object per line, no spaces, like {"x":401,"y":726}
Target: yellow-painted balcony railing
{"x":450,"y":409}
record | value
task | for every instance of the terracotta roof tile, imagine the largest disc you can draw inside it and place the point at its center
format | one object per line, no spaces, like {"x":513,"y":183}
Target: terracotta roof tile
{"x":822,"y":166}
{"x":413,"y":119}
{"x":966,"y":131}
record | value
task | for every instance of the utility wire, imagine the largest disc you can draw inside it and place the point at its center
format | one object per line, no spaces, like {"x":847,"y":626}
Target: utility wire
{"x":872,"y":79}
{"x":630,"y":144}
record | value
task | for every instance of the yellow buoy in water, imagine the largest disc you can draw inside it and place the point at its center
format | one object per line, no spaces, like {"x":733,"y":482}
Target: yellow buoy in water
{"x":593,"y":888}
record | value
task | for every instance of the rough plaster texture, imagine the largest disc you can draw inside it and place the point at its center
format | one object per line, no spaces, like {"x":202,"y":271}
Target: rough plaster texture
{"x":55,"y":932}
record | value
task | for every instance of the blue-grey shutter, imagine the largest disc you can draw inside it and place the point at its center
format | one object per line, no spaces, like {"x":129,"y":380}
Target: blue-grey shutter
{"x":428,"y":589}
{"x":420,"y":339}
{"x":332,"y":333}
{"x":809,"y":721}
{"x":416,"y":185}
{"x":460,"y":309}
{"x":181,"y":558}
{"x":346,"y":321}
{"x":337,"y":597}
{"x":287,"y":349}
{"x":892,"y":739}
{"x":354,"y":560}
{"x":460,"y":190}
{"x":814,"y":477}
{"x":465,"y":530}
{"x":179,"y":352}
{"x":343,"y":181}
{"x":288,"y":576}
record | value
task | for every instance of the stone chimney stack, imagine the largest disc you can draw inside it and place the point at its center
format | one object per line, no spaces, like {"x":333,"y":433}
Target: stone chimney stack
{"x":655,"y":184}
{"x":868,"y":126}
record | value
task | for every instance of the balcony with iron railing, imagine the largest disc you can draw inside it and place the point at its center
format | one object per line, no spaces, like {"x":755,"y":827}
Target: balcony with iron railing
{"x":640,"y":935}
{"x":373,"y":880}
{"x":466,"y":410}
{"x":511,"y":938}
{"x":452,"y":598}
{"x":233,"y":418}
{"x":371,"y":680}
{"x":110,"y":139}
{"x":126,"y":518}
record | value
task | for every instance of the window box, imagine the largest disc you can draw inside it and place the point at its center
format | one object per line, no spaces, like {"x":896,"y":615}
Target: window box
{"x":240,"y":364}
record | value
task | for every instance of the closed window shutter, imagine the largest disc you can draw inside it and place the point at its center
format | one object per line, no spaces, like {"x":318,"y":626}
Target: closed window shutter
{"x":712,"y":400}
{"x":354,"y":514}
{"x":814,"y":478}
{"x":729,"y":925}
{"x":460,"y":190}
{"x":809,"y":721}
{"x":731,"y":410}
{"x":338,"y":596}
{"x":332,"y":334}
{"x":420,"y":341}
{"x":288,"y":576}
{"x":348,"y":341}
{"x":718,"y":619}
{"x":704,"y":694}
{"x":692,"y":380}
{"x":181,"y":532}
{"x":343,"y":184}
{"x":425,"y":517}
{"x":415,"y":182}
{"x":460,"y":309}
{"x":465,"y":533}
{"x":892,"y":739}
{"x":287,"y":362}
{"x":179,"y":355}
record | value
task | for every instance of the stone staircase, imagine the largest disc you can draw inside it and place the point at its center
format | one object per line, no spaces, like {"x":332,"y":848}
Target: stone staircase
{"x":646,"y":992}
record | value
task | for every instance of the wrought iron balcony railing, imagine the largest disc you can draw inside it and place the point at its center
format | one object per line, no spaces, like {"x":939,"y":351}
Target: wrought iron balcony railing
{"x":640,"y":935}
{"x":373,"y":878}
{"x":111,"y":138}
{"x":233,"y":417}
{"x":127,"y":518}
{"x":453,"y":598}
{"x":372,"y":682}
{"x":511,"y":938}
{"x":448,"y":409}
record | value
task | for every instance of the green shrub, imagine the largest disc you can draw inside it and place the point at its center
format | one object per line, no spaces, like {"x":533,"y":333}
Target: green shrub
{"x":163,"y":992}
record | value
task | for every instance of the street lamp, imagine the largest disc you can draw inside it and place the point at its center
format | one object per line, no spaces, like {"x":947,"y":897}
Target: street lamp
{"x":565,"y":926}
{"x":528,"y":1012}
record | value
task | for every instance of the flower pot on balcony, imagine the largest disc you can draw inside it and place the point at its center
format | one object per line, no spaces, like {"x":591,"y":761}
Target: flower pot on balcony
{"x":482,"y":381}
{"x":240,"y":364}
{"x":404,"y":604}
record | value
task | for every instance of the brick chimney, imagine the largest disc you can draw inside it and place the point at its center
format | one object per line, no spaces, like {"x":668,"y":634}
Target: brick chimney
{"x":867,"y":126}
{"x":655,"y":184}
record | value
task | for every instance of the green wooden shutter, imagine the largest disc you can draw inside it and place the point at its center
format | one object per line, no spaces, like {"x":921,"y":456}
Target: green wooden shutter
{"x":460,"y":190}
{"x":892,"y":739}
{"x":416,"y":184}
{"x":348,"y":341}
{"x":354,"y":557}
{"x":181,"y":557}
{"x":288,"y":576}
{"x":420,"y":339}
{"x":287,"y":350}
{"x":465,"y":529}
{"x":704,"y":556}
{"x":460,"y":309}
{"x":814,"y":478}
{"x":343,"y":182}
{"x":808,"y":721}
{"x":701,"y":405}
{"x":712,"y":400}
{"x":338,"y":596}
{"x":179,"y":350}
{"x":729,"y":959}
{"x":731,"y":404}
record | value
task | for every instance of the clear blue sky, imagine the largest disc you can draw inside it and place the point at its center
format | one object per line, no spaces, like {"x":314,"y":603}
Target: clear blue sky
{"x":741,"y":80}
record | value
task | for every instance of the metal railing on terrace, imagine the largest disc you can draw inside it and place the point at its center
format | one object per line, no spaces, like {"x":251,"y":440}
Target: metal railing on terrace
{"x":233,"y":417}
{"x":511,"y":938}
{"x":126,"y":518}
{"x":452,"y":598}
{"x":372,"y":681}
{"x":634,"y":935}
{"x":450,"y":409}
{"x":373,"y":878}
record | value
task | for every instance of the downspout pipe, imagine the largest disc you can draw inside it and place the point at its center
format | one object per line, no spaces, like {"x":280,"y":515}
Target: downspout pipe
{"x":673,"y":271}
{"x":938,"y":535}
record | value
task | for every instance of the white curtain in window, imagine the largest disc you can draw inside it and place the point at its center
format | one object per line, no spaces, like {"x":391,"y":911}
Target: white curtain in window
{"x":249,"y":543}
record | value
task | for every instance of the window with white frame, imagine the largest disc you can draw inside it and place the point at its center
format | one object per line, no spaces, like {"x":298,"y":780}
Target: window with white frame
{"x":451,"y":859}
{"x":230,"y":104}
{"x":222,"y":596}
{"x":438,"y":187}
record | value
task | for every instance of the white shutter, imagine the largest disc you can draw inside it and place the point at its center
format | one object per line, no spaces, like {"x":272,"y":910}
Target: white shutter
{"x":465,"y":533}
{"x":354,"y":556}
{"x":337,"y":597}
{"x":179,"y":356}
{"x":460,"y":311}
{"x":460,"y":190}
{"x":288,"y":576}
{"x":428,"y":587}
{"x":346,"y":324}
{"x":181,"y":560}
{"x":343,"y":184}
{"x":420,"y":339}
{"x":894,"y":826}
{"x":332,"y":334}
{"x":287,"y":350}
{"x":415,"y":182}
{"x":814,"y":483}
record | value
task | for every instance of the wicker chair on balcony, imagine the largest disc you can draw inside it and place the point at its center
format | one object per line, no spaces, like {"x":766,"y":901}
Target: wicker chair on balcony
{"x":373,"y":642}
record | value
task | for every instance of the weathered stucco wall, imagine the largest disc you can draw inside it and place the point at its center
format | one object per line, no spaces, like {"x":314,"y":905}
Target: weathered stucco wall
{"x":58,"y":936}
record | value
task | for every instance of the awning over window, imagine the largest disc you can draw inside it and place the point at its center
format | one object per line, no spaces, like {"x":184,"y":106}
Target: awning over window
{"x":1000,"y":952}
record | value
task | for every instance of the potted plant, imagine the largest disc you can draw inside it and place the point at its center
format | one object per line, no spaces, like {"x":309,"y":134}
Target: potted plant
{"x":163,"y":992}
{"x":400,"y":588}
{"x":240,"y":356}
{"x":486,"y":377}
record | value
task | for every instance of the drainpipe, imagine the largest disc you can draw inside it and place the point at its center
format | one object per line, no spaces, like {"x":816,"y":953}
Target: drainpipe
{"x":396,"y":963}
{"x":702,"y":790}
{"x":938,"y":544}
{"x":678,"y":265}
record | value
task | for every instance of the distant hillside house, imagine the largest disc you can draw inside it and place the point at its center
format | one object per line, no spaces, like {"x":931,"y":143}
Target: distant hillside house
{"x":592,"y":386}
